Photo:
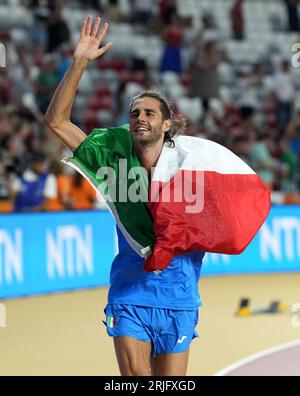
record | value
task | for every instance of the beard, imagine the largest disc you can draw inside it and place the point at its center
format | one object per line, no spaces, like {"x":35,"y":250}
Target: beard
{"x":149,"y":138}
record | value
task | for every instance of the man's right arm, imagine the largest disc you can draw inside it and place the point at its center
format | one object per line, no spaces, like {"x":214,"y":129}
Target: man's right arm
{"x":58,"y":114}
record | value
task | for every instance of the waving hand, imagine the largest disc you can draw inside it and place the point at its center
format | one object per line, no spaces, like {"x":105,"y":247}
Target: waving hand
{"x":88,"y":46}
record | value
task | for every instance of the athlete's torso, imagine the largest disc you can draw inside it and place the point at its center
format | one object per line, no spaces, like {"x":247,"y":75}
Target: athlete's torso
{"x":174,"y":288}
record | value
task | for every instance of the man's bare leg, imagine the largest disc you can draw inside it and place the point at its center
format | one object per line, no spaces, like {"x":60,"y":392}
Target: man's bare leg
{"x":172,"y":364}
{"x":133,"y":356}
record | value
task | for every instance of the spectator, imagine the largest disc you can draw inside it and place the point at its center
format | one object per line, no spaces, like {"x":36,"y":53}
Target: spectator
{"x":37,"y":33}
{"x":81,"y":195}
{"x":63,"y":181}
{"x":173,"y":38}
{"x":248,"y":89}
{"x":250,"y":99}
{"x":242,"y":147}
{"x":47,"y":82}
{"x":112,"y":11}
{"x":5,"y":196}
{"x":22,"y":139}
{"x":265,"y":165}
{"x":293,"y":133}
{"x":94,"y":4}
{"x":284,"y":90}
{"x":289,"y":158}
{"x":143,"y":11}
{"x":237,"y":20}
{"x":4,"y":86}
{"x":64,"y":60}
{"x":22,"y":76}
{"x":33,"y":3}
{"x":292,"y":14}
{"x":57,"y":29}
{"x":7,"y":118}
{"x":14,"y":154}
{"x":34,"y":187}
{"x":167,"y":8}
{"x":205,"y":72}
{"x":208,"y":31}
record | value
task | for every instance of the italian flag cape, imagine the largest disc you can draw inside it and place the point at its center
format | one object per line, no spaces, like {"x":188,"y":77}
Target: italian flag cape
{"x":201,"y":197}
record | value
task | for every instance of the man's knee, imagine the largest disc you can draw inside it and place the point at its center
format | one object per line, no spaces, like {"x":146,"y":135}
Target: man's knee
{"x":133,"y":356}
{"x":137,"y":370}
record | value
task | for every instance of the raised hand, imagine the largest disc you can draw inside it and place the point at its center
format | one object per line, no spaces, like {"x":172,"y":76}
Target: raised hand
{"x":90,"y":39}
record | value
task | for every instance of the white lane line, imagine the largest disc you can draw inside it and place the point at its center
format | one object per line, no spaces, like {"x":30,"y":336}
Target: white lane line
{"x":256,"y":356}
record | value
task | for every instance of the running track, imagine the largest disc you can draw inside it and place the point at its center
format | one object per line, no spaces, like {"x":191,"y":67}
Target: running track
{"x":283,"y":360}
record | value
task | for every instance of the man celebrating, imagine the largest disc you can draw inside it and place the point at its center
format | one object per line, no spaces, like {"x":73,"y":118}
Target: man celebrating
{"x":151,"y":317}
{"x":153,"y":304}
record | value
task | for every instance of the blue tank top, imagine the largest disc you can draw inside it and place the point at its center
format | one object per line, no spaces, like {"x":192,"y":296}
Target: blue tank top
{"x":174,"y":288}
{"x":31,"y":194}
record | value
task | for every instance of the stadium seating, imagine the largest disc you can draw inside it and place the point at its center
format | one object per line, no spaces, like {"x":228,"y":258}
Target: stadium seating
{"x":110,"y":82}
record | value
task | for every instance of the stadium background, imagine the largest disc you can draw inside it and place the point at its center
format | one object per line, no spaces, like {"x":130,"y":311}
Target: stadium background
{"x":233,"y":73}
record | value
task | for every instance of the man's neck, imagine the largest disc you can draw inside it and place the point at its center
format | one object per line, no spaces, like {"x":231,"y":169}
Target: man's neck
{"x":149,"y":155}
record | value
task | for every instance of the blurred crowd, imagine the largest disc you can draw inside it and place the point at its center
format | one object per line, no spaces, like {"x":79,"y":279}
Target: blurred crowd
{"x":251,"y":108}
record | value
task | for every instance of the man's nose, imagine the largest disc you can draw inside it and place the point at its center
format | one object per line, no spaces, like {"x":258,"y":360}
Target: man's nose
{"x":141,"y":117}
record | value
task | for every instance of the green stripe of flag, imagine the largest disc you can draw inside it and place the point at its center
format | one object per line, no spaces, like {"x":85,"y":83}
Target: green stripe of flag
{"x":106,"y":148}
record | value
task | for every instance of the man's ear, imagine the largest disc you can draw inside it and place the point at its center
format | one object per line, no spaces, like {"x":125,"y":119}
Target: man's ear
{"x":166,"y":126}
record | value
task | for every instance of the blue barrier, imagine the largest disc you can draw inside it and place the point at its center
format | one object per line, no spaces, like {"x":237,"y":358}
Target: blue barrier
{"x":42,"y":253}
{"x":50,"y":252}
{"x":276,"y":248}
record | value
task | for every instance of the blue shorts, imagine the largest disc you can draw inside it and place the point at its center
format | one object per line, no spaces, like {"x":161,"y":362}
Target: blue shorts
{"x":169,"y":331}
